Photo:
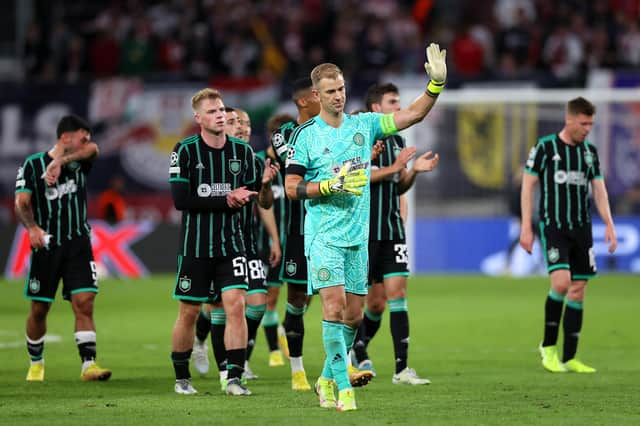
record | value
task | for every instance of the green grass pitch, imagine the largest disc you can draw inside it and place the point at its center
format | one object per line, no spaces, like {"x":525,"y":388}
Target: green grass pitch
{"x":474,"y":337}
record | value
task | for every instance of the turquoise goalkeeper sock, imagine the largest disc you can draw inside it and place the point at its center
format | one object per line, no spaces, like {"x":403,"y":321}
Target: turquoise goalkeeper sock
{"x":349,"y":335}
{"x":333,"y":339}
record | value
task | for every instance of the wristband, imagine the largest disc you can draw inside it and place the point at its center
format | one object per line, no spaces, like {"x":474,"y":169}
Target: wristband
{"x":324,"y":187}
{"x":434,"y":89}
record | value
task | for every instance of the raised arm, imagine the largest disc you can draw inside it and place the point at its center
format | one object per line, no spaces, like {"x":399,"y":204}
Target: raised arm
{"x":87,"y":152}
{"x":265,"y":196}
{"x":436,"y":68}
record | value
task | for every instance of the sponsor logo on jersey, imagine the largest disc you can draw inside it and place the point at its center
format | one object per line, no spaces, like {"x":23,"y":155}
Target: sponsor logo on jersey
{"x":570,"y":178}
{"x":214,"y":189}
{"x":69,"y":187}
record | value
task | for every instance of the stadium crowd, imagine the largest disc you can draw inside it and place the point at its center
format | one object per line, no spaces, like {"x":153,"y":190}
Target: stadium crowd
{"x":550,"y":42}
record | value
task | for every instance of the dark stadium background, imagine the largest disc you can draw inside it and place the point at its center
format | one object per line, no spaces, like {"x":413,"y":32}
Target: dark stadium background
{"x":130,"y":66}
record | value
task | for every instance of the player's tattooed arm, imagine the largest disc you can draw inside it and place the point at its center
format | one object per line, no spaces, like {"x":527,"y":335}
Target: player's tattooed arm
{"x":24,"y":212}
{"x":23,"y":209}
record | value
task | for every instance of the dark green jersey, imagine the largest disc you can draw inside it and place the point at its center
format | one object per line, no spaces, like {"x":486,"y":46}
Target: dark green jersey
{"x":61,"y":210}
{"x":250,"y":222}
{"x":294,"y":209}
{"x":386,"y":223}
{"x":277,"y":186}
{"x":211,"y":172}
{"x":564,"y":172}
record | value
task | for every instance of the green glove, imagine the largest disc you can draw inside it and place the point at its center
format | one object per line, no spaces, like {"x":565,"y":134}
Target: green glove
{"x":345,"y":182}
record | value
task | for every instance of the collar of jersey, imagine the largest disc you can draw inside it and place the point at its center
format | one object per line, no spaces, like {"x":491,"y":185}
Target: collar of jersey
{"x":323,"y":123}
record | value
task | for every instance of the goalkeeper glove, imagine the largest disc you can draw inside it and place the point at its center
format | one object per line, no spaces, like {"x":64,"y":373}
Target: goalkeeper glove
{"x":345,"y":182}
{"x":436,"y":68}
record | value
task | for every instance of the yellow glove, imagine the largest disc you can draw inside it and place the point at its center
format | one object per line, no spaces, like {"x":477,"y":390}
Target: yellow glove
{"x":345,"y":182}
{"x":436,"y":67}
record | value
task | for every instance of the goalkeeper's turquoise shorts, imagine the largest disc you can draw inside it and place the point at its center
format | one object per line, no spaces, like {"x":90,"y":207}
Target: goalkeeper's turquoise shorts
{"x":330,"y":266}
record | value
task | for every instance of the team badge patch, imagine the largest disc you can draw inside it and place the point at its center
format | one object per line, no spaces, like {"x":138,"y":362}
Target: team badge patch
{"x":358,"y":139}
{"x":277,"y":139}
{"x":34,"y":285}
{"x":184,"y":284}
{"x":234,"y":166}
{"x":73,"y":166}
{"x":553,"y":255}
{"x":291,"y":267}
{"x":324,"y":274}
{"x":174,"y":158}
{"x":588,"y":158}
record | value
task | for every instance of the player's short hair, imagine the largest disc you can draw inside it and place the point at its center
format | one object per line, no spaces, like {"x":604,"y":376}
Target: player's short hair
{"x":376,"y":91}
{"x":207,"y":93}
{"x":300,"y":86}
{"x":278,"y":120}
{"x":326,"y":70}
{"x":580,"y":105}
{"x":71,"y":123}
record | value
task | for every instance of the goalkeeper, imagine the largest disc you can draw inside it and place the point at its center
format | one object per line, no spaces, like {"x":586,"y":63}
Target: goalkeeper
{"x":328,"y":165}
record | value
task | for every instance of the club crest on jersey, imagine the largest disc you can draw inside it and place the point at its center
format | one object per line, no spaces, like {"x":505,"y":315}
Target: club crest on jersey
{"x":358,"y":139}
{"x":73,"y":166}
{"x":553,"y":255}
{"x":588,"y":158}
{"x":324,"y":274}
{"x":34,"y":285}
{"x":234,"y":166}
{"x":291,"y":267}
{"x":184,"y":284}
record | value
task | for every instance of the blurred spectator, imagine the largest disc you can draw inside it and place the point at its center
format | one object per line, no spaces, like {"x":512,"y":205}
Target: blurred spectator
{"x":35,"y":52}
{"x":278,"y":39}
{"x":515,"y":40}
{"x":111,"y":204}
{"x":629,"y":44}
{"x":104,"y":54}
{"x":467,"y":54}
{"x":510,"y":13}
{"x":563,"y":52}
{"x":137,"y":56}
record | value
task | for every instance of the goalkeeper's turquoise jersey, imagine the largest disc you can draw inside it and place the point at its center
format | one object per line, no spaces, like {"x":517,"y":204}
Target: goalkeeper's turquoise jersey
{"x":317,"y":151}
